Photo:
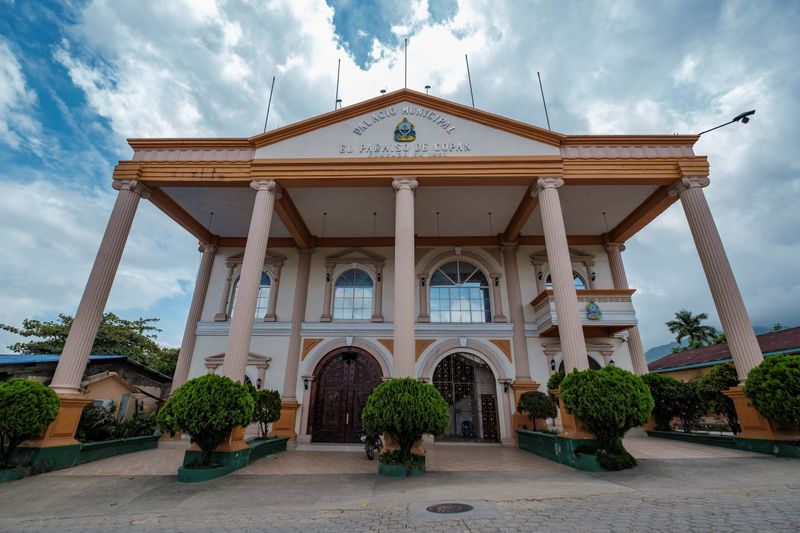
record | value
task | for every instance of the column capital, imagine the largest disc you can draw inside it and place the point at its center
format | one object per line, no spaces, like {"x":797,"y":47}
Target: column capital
{"x":305,"y":251}
{"x":404,"y":183}
{"x":132,"y":185}
{"x":546,"y":182}
{"x":610,"y":246}
{"x":509,"y":246}
{"x":207,"y":248}
{"x":690,"y":182}
{"x":264,"y":185}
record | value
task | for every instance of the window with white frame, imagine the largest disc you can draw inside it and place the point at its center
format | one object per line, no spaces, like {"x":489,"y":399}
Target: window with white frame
{"x":459,"y":292}
{"x":352,"y":296}
{"x":263,"y":295}
{"x":580,"y":283}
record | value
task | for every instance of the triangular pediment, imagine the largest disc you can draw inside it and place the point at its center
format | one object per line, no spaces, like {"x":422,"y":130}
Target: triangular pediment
{"x":406,"y":123}
{"x":355,"y":254}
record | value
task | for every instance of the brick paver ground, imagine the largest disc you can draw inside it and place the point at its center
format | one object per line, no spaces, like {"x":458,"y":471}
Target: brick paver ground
{"x":676,"y":487}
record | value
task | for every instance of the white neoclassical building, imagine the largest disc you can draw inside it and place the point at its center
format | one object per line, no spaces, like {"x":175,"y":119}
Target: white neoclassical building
{"x":408,"y":236}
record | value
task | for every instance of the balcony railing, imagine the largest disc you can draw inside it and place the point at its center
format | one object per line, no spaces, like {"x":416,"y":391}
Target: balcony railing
{"x":603,"y":312}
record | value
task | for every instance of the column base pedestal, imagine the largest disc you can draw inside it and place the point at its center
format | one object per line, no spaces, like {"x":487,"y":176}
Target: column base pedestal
{"x":754,"y":426}
{"x":572,"y":428}
{"x":389,"y":444}
{"x":520,"y":420}
{"x":61,"y":431}
{"x":286,"y":424}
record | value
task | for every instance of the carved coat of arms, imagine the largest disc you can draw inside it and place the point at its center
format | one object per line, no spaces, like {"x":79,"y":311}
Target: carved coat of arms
{"x":404,"y":132}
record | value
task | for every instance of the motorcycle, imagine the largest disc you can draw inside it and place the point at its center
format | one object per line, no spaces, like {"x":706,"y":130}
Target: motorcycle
{"x":372,"y":444}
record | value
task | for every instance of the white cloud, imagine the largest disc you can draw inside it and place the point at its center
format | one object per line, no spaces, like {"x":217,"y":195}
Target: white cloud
{"x":50,"y":233}
{"x":203,"y":69}
{"x":18,"y":126}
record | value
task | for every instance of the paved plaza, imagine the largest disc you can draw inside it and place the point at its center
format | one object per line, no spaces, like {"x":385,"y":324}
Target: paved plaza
{"x":676,"y":487}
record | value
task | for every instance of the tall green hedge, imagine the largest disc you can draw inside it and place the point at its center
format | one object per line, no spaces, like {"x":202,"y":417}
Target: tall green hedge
{"x":405,"y":409}
{"x":609,"y":402}
{"x":26,"y":409}
{"x":664,"y":390}
{"x":710,"y":387}
{"x":774,"y":388}
{"x":207,"y":408}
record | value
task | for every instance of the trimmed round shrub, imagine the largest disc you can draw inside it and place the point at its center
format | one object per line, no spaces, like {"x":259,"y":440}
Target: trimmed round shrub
{"x":609,"y":402}
{"x":554,"y":383}
{"x":664,"y":390}
{"x":26,"y":409}
{"x":537,"y":405}
{"x":207,"y":408}
{"x":405,"y":409}
{"x":774,"y":388}
{"x":710,"y":387}
{"x":267,"y":408}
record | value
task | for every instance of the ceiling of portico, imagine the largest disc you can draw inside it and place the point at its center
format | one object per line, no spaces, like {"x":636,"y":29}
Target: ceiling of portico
{"x":583,"y":208}
{"x":463,"y":211}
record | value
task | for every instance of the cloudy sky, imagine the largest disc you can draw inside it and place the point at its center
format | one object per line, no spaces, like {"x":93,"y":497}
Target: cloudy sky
{"x":78,"y":78}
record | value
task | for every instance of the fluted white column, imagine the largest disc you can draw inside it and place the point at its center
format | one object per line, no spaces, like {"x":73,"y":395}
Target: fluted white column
{"x":249,"y":281}
{"x":72,"y":363}
{"x":519,"y":343}
{"x":728,"y":300}
{"x":272,"y":304}
{"x":298,"y":316}
{"x":498,"y":300}
{"x":195,"y":310}
{"x":635,"y":348}
{"x":377,"y":303}
{"x":328,"y":296}
{"x":573,"y":344}
{"x":222,"y":314}
{"x":404,"y":288}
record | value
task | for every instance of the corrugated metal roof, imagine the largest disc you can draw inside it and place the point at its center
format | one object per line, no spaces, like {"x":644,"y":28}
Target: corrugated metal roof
{"x":22,"y":358}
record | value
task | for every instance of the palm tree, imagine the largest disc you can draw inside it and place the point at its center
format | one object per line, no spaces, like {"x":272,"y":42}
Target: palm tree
{"x":687,"y":325}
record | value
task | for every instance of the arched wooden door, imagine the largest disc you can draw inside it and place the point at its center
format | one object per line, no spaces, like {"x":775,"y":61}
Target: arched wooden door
{"x":344,"y":380}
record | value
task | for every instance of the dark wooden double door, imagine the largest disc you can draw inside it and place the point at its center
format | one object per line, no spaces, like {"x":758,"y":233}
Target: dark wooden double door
{"x":345,"y":379}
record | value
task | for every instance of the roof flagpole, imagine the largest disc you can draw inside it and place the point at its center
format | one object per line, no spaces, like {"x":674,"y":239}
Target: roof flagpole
{"x":469,"y":78}
{"x":405,"y":79}
{"x":338,"y":70}
{"x":269,"y":104}
{"x":543,"y":100}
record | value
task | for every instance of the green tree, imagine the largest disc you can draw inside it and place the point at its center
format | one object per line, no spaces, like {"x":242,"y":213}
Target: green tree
{"x":207,"y":408}
{"x":665,"y":393}
{"x":134,"y":338}
{"x":26,"y":409}
{"x":537,"y":405}
{"x":689,"y":326}
{"x":267,"y":408}
{"x":609,"y":402}
{"x":689,"y":405}
{"x":710,"y":387}
{"x":774,"y":388}
{"x":405,"y":409}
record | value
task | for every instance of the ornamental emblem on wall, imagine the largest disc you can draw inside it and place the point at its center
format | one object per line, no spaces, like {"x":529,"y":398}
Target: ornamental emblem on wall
{"x":593,"y":311}
{"x":404,"y":132}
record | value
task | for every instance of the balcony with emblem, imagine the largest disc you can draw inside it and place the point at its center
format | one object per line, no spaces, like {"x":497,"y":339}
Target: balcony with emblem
{"x":603,"y":312}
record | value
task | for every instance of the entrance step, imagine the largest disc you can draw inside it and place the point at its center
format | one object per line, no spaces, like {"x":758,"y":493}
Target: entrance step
{"x":329,"y":447}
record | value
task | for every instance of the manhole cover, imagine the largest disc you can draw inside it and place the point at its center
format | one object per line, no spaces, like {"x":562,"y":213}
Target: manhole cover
{"x":449,"y":508}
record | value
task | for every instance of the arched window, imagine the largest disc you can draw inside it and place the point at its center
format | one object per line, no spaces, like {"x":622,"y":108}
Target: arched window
{"x":459,"y":292}
{"x":263,"y":295}
{"x":352,"y":296}
{"x":580,"y":283}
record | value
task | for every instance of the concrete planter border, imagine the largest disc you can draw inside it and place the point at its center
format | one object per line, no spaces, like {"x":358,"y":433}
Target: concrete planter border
{"x":575,"y":453}
{"x":401,"y":471}
{"x":778,"y":448}
{"x":227,"y":462}
{"x":92,"y":451}
{"x":699,"y":438}
{"x":12,"y":474}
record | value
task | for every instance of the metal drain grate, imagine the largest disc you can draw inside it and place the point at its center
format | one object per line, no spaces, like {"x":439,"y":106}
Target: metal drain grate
{"x":449,"y":508}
